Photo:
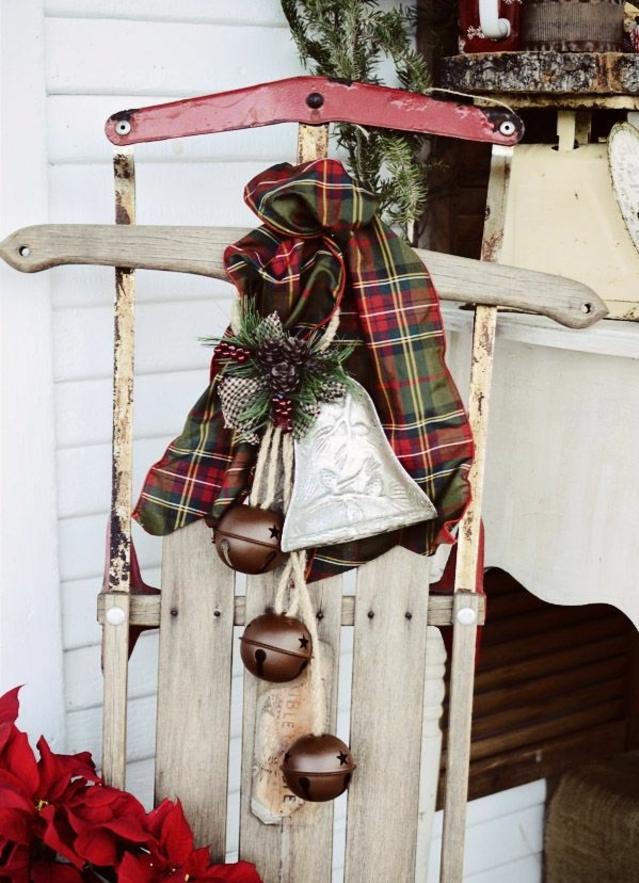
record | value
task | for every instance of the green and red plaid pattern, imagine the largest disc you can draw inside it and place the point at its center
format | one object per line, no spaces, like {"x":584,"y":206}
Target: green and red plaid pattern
{"x":322,"y":246}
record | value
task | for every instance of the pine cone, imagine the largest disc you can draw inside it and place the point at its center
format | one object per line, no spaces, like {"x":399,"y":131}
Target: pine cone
{"x":297,"y":351}
{"x":283,"y":377}
{"x":271,"y":352}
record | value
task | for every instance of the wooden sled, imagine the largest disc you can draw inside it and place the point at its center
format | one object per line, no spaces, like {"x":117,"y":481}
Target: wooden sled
{"x":398,"y":654}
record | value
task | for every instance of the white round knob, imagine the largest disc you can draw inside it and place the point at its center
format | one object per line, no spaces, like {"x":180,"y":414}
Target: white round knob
{"x":466,"y":616}
{"x":115,"y":616}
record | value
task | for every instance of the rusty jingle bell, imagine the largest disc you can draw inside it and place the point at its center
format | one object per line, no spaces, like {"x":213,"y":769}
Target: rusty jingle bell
{"x":318,"y":768}
{"x":247,"y":539}
{"x":275,"y":647}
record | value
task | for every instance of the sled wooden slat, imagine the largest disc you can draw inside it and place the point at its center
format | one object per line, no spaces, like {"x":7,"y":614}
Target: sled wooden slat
{"x":389,"y":658}
{"x":115,"y":633}
{"x":199,"y":250}
{"x":145,"y":610}
{"x":194,"y":685}
{"x":299,"y":847}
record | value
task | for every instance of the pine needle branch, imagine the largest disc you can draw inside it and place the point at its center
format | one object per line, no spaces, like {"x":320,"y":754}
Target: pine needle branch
{"x":349,"y":39}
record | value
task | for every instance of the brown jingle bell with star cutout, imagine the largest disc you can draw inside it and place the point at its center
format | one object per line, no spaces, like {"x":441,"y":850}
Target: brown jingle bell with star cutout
{"x":247,"y":539}
{"x":318,"y":768}
{"x":276,"y":647}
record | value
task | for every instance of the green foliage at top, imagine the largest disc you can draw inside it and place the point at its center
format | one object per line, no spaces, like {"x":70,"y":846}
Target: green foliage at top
{"x":349,"y":39}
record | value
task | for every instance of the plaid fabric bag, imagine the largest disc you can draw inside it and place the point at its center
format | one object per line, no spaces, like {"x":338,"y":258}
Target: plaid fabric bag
{"x":322,"y":246}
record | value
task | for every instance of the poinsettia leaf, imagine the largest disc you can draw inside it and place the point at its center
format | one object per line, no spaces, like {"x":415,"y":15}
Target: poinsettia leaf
{"x":56,"y":771}
{"x":240,"y":872}
{"x":155,"y":818}
{"x":58,"y":834}
{"x":19,"y":760}
{"x":98,"y":846}
{"x":14,"y":862}
{"x":176,"y":838}
{"x":55,"y":872}
{"x":13,"y":794}
{"x":9,"y":710}
{"x":16,"y":825}
{"x":137,"y":869}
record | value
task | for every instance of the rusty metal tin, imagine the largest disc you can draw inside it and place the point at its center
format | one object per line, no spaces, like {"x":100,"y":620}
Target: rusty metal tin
{"x":275,"y":647}
{"x":248,"y":539}
{"x":318,"y":768}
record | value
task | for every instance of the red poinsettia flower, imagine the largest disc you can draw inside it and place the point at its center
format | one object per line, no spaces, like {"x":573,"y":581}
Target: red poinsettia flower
{"x":174,"y":857}
{"x":28,"y":786}
{"x":96,"y":825}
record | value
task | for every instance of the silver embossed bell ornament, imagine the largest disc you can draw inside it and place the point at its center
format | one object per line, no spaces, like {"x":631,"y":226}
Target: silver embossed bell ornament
{"x":348,"y":482}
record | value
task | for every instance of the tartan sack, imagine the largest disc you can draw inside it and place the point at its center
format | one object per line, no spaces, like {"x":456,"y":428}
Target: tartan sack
{"x":323,"y":247}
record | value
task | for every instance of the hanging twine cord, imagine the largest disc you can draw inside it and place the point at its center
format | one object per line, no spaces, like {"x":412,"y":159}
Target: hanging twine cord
{"x":276,"y":456}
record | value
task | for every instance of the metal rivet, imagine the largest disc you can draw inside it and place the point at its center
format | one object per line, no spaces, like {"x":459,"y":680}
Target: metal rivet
{"x":370,"y":614}
{"x":217,"y":613}
{"x":507,"y":128}
{"x":123,"y":127}
{"x":115,"y":616}
{"x":320,"y":615}
{"x":174,"y":611}
{"x":315,"y":100}
{"x":466,"y":616}
{"x":408,"y":615}
{"x":25,"y":251}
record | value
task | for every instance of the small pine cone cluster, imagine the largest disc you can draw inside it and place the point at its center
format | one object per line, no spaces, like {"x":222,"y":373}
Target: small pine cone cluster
{"x":283,"y":413}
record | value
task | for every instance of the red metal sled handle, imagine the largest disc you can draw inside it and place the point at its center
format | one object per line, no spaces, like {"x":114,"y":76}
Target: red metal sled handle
{"x":314,"y":101}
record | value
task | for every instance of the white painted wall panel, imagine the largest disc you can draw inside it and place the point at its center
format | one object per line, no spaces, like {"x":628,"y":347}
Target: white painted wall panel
{"x":82,"y":547}
{"x":162,"y":401}
{"x":168,"y":193}
{"x":30,"y":628}
{"x":168,"y":337}
{"x":86,"y":286}
{"x":84,"y":474}
{"x":107,"y":56}
{"x":240,"y":12}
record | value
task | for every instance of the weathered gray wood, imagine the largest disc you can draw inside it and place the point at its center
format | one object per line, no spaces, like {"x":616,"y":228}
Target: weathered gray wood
{"x":386,"y":717}
{"x":299,"y":848}
{"x":145,"y":610}
{"x":199,"y":250}
{"x":115,"y":633}
{"x":194,"y":684}
{"x":550,"y":73}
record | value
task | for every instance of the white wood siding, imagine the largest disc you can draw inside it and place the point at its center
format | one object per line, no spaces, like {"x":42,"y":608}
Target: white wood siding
{"x":101,"y":56}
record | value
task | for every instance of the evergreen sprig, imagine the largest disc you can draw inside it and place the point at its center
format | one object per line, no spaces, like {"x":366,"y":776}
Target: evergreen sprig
{"x":349,"y":39}
{"x":266,"y":374}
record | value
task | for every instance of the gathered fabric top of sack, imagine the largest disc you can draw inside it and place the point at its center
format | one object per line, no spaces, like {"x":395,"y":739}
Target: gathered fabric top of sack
{"x":322,"y":247}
